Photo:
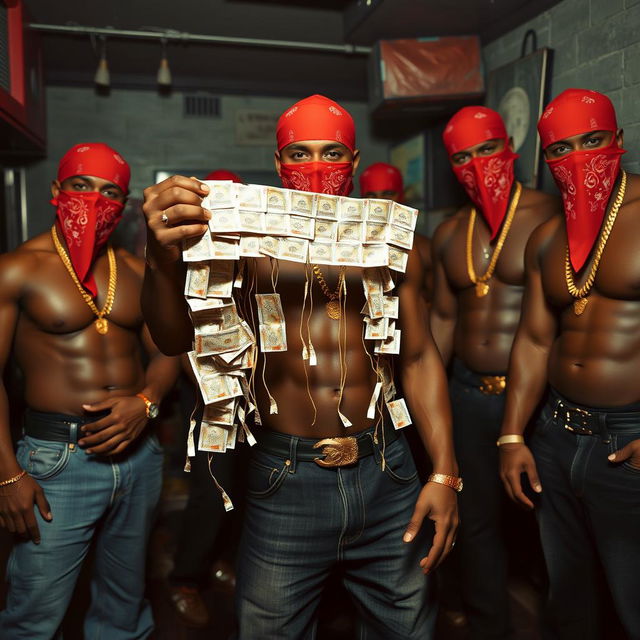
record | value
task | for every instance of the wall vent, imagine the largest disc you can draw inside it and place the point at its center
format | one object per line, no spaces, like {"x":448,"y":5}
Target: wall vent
{"x":200,"y":106}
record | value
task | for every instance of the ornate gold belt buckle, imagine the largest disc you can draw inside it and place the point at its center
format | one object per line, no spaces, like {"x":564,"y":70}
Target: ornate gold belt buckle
{"x":578,"y":416}
{"x":337,"y":452}
{"x":493,"y":385}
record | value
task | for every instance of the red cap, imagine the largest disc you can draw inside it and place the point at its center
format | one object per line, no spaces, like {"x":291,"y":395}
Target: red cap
{"x":223,"y":174}
{"x":381,"y":177}
{"x":471,"y":126}
{"x":576,"y":111}
{"x":316,"y":118}
{"x":95,"y":159}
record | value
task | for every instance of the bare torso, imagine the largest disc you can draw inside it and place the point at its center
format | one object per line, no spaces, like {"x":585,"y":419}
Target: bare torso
{"x":595,"y":357}
{"x":485,"y":326}
{"x":66,"y":362}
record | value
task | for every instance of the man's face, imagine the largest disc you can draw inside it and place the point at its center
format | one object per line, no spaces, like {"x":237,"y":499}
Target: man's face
{"x":88,"y":184}
{"x":316,"y":151}
{"x":481,"y":150}
{"x":386,"y":194}
{"x":582,"y":142}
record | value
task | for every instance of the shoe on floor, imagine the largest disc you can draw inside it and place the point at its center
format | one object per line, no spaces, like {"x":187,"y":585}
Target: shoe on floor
{"x":189,"y":606}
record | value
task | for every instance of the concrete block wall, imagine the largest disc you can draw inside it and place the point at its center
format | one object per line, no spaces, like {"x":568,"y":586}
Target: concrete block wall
{"x":596,"y":45}
{"x":151,"y":133}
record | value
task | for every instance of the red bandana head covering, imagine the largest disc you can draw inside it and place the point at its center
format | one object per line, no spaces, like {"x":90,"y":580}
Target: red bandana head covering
{"x":223,"y":174}
{"x":585,"y":178}
{"x":382,"y":177}
{"x":317,"y":118}
{"x":486,"y":179}
{"x":87,"y":219}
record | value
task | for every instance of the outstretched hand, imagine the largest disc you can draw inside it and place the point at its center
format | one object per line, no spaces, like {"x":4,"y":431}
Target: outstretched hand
{"x":438,"y":503}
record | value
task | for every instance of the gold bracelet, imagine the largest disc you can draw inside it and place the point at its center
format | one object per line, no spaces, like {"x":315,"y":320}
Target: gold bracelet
{"x":454,"y":482}
{"x":21,"y":475}
{"x":510,"y":438}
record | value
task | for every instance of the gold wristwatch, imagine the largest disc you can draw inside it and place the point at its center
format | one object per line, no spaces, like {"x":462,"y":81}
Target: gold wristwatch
{"x":448,"y":481}
{"x":151,"y":407}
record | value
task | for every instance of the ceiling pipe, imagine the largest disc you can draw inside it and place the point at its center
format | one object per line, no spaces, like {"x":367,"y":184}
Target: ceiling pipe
{"x":181,"y":36}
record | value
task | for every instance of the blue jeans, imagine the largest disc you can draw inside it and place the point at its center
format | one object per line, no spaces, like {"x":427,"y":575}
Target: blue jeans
{"x":303,"y":522}
{"x":110,"y":499}
{"x":588,"y":512}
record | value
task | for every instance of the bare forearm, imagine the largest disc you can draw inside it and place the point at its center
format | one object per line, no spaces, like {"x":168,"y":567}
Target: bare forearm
{"x":160,"y":376}
{"x":425,"y":383}
{"x":8,"y":464}
{"x":442,"y":329}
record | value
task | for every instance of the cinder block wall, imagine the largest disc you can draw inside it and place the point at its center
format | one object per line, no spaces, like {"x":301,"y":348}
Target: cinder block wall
{"x":151,"y":133}
{"x":596,"y":45}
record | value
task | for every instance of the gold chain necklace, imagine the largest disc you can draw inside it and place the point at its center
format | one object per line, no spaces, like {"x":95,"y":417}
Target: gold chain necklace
{"x":333,"y":306}
{"x":101,"y":323}
{"x":581,"y":293}
{"x":481,"y":282}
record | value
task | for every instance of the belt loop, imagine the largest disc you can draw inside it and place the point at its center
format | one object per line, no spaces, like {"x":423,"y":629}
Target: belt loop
{"x":605,"y":436}
{"x":73,"y":432}
{"x":293,"y":454}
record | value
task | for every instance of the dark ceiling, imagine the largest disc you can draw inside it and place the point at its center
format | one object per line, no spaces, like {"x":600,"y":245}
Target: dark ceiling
{"x":258,"y":70}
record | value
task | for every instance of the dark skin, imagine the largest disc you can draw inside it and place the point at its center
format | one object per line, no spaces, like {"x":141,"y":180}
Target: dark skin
{"x":480,"y":331}
{"x":421,"y":243}
{"x":591,"y":359}
{"x":51,"y":331}
{"x":180,"y":199}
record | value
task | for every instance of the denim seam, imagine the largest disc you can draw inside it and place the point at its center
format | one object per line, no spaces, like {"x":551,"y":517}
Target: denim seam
{"x":116,"y":477}
{"x":345,"y":515}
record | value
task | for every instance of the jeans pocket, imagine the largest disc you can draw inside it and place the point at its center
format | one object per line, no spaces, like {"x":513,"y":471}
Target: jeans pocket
{"x":152,"y":442}
{"x":264,"y":479}
{"x":42,"y":459}
{"x":399,"y":464}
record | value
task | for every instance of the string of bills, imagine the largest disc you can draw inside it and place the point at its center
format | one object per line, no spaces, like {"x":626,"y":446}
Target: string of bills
{"x":256,"y":221}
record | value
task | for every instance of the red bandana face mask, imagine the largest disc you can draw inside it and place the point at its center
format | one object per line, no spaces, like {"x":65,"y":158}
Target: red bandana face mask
{"x":586,"y":180}
{"x":488,"y":181}
{"x":86,"y":220}
{"x":320,"y":177}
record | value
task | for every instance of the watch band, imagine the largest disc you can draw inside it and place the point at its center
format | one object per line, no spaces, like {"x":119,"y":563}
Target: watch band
{"x":510,"y":438}
{"x":454,"y":482}
{"x":147,"y":402}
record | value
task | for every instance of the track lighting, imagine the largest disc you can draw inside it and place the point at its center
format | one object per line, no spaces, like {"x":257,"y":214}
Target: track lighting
{"x":102,"y":77}
{"x":164,"y":73}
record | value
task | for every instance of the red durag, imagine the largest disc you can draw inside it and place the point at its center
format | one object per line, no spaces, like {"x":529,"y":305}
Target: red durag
{"x":88,"y":219}
{"x":223,"y":174}
{"x":585,"y":178}
{"x":382,"y":177}
{"x":317,"y":118}
{"x":487,"y":179}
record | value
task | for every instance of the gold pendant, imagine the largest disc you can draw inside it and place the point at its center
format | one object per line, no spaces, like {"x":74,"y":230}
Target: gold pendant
{"x":579,"y":306}
{"x":333,"y":310}
{"x":102,"y":325}
{"x":482,"y":288}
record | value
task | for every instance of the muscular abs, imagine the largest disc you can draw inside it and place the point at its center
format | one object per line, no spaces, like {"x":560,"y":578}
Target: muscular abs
{"x":66,"y":362}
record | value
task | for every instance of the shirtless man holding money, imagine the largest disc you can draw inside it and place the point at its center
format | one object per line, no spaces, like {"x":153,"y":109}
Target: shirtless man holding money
{"x":304,"y":518}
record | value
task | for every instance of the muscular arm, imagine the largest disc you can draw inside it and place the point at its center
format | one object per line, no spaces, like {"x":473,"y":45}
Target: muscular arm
{"x":162,"y":371}
{"x":535,"y":336}
{"x":444,"y":304}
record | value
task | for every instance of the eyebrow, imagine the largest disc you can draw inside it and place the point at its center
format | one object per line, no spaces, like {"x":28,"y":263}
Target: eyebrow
{"x":582,"y":135}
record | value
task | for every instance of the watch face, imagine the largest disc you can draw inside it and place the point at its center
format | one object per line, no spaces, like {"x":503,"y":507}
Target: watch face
{"x":154,"y":410}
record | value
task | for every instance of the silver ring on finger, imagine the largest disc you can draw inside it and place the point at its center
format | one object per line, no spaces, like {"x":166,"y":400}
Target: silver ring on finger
{"x":165,"y":218}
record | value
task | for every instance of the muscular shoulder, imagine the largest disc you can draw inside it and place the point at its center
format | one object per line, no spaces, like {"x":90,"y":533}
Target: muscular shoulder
{"x":446,"y":230}
{"x":538,"y":205}
{"x":133,"y":262}
{"x":543,"y":235}
{"x":19,"y":267}
{"x":632,"y":195}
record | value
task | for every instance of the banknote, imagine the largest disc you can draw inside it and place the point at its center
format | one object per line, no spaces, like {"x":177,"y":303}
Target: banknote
{"x":251,"y":221}
{"x":217,"y":388}
{"x":221,"y":413}
{"x":301,"y":227}
{"x":225,"y":249}
{"x":294,"y":249}
{"x":232,"y":339}
{"x":375,"y":232}
{"x":272,"y":338}
{"x":278,"y":200}
{"x":232,"y":437}
{"x":378,"y":210}
{"x":326,"y":230}
{"x":269,"y":246}
{"x":303,"y":203}
{"x":220,"y":283}
{"x":197,"y":279}
{"x":252,"y":197}
{"x":198,"y":249}
{"x":399,"y":413}
{"x":327,"y":206}
{"x":250,"y":246}
{"x":387,"y":281}
{"x":398,"y":259}
{"x":391,"y":306}
{"x":375,"y":255}
{"x":404,"y":216}
{"x":390,"y":345}
{"x":391,"y":329}
{"x":347,"y":254}
{"x":212,"y":438}
{"x":372,"y":285}
{"x":197,"y":304}
{"x":225,"y":221}
{"x":269,"y":308}
{"x":351,"y":209}
{"x":222,"y":194}
{"x":277,"y":224}
{"x":376,"y":328}
{"x":350,"y":231}
{"x":400,"y":237}
{"x":320,"y":252}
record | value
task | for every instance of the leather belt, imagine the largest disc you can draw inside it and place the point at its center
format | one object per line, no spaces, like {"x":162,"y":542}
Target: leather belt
{"x":57,"y":427}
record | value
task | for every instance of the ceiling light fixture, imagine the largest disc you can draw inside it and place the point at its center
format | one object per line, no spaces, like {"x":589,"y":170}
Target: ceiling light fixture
{"x":164,"y":73}
{"x":102,"y":77}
